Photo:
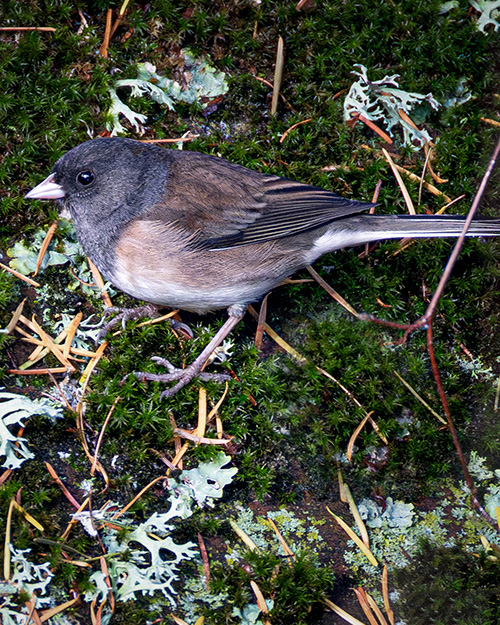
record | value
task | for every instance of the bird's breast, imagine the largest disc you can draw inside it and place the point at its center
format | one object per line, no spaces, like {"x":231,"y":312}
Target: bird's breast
{"x":154,"y":263}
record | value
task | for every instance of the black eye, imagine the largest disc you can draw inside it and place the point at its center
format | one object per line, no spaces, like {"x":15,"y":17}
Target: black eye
{"x":85,"y":178}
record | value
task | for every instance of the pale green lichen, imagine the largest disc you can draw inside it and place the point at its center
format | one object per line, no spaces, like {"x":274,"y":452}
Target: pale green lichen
{"x":397,"y":532}
{"x":201,"y":83}
{"x":300,"y":534}
{"x":489,"y":12}
{"x":195,"y":594}
{"x":381,"y":100}
{"x":24,"y":255}
{"x":251,"y":612}
{"x":29,"y":578}
{"x":152,"y":556}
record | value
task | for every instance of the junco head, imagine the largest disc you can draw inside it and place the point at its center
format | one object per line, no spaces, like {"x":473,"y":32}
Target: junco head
{"x":193,"y":231}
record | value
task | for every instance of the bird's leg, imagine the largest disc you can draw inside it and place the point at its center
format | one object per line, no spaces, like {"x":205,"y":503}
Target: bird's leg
{"x":194,"y":370}
{"x":127,"y":314}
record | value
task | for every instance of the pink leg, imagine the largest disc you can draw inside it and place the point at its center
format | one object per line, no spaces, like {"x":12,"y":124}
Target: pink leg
{"x":194,"y":370}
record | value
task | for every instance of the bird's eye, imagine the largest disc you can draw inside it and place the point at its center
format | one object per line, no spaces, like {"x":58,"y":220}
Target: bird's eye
{"x":85,"y":178}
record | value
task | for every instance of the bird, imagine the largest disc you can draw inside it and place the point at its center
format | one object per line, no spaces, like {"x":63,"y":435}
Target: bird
{"x":196,"y":232}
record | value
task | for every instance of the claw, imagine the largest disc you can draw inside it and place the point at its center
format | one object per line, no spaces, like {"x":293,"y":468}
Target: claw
{"x":124,"y":315}
{"x":182,"y":328}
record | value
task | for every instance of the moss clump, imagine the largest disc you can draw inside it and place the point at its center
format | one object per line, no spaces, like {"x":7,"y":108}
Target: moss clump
{"x":296,"y":587}
{"x":450,"y":586}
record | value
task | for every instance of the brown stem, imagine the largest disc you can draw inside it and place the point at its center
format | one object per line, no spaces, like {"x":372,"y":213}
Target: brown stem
{"x":451,"y":426}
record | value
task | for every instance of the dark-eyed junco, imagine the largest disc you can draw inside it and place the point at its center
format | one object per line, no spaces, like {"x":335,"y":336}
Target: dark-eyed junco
{"x":193,"y":231}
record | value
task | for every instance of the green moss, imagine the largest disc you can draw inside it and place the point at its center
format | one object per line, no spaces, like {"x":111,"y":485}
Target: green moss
{"x":450,"y":585}
{"x":297,"y":587}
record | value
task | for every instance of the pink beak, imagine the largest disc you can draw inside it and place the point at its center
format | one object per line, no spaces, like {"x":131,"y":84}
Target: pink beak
{"x":46,"y":190}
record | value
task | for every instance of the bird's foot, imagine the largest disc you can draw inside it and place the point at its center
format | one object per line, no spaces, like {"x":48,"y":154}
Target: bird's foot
{"x":181,"y":376}
{"x":184,"y":376}
{"x":128,"y":314}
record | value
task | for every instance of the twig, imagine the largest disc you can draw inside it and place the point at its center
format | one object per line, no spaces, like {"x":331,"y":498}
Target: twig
{"x":45,"y":245}
{"x":426,"y":322}
{"x":204,"y":558}
{"x":101,"y":434}
{"x":288,"y":130}
{"x":429,"y":313}
{"x":278,"y":74}
{"x":259,"y":334}
{"x":444,"y":400}
{"x":46,"y":29}
{"x":103,"y":50}
{"x":19,"y":275}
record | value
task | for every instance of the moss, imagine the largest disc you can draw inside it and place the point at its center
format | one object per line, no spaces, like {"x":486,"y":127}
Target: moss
{"x":449,"y":585}
{"x":297,"y":587}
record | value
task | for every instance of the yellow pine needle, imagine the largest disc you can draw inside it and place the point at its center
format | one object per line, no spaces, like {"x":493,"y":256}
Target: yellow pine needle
{"x":385,"y":594}
{"x":202,"y":413}
{"x":28,"y":516}
{"x":357,"y":517}
{"x":19,"y":275}
{"x":402,"y":186}
{"x":420,"y":399}
{"x":243,"y":536}
{"x":363,"y":602}
{"x":342,"y":613}
{"x":15,"y":318}
{"x":354,"y":537}
{"x":331,"y":291}
{"x":6,"y":551}
{"x":283,"y":542}
{"x":278,"y":73}
{"x":45,"y":245}
{"x":51,"y":612}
